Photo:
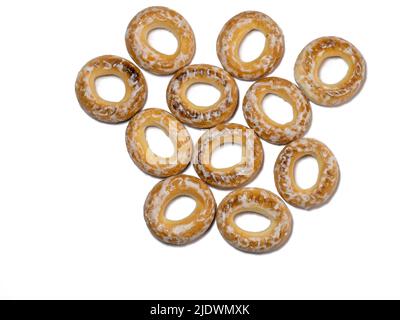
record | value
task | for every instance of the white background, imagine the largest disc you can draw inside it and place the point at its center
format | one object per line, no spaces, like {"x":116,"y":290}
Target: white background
{"x":71,"y":220}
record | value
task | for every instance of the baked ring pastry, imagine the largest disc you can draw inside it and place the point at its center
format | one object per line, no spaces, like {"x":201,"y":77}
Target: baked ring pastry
{"x":264,"y":126}
{"x":231,"y":37}
{"x":140,"y":151}
{"x":328,"y":177}
{"x":108,"y":111}
{"x":149,"y":58}
{"x":186,"y":230}
{"x":238,"y":175}
{"x":309,"y":63}
{"x":264,"y":203}
{"x":199,"y":116}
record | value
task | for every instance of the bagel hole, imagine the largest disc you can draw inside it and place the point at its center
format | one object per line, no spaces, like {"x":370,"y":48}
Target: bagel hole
{"x":180,"y":208}
{"x":159,"y":142}
{"x":203,"y":94}
{"x":277,"y":109}
{"x":110,"y":88}
{"x":252,"y":221}
{"x":163,"y":41}
{"x":306,"y":172}
{"x":252,"y":46}
{"x":226,"y":156}
{"x":333,"y":70}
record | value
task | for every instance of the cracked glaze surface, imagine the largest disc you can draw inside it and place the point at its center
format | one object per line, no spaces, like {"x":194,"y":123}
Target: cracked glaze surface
{"x":308,"y":66}
{"x":108,"y":111}
{"x":140,"y":151}
{"x":234,"y":176}
{"x":199,"y":116}
{"x":231,"y":37}
{"x":264,"y":203}
{"x":263,"y":125}
{"x":186,"y":230}
{"x":328,"y":177}
{"x":149,"y":58}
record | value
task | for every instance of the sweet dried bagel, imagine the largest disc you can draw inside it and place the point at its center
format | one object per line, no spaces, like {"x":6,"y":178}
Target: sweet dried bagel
{"x":308,"y":66}
{"x":234,"y":176}
{"x":107,"y":111}
{"x":149,"y":58}
{"x":259,"y":201}
{"x":328,"y":177}
{"x":140,"y":151}
{"x":199,"y":116}
{"x":263,"y":125}
{"x":231,"y":37}
{"x":186,"y":230}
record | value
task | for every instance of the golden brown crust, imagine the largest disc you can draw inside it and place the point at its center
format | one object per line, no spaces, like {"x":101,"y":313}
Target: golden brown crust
{"x":149,"y":58}
{"x":263,"y":125}
{"x":107,"y":111}
{"x":262,"y":202}
{"x":328,"y":177}
{"x":237,"y":175}
{"x":308,"y":65}
{"x":140,"y":151}
{"x":183,"y":231}
{"x":199,"y":116}
{"x":232,"y":35}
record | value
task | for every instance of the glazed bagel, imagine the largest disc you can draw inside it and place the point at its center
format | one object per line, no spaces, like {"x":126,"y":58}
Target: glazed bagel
{"x":264,"y":203}
{"x":140,"y":151}
{"x":234,"y":176}
{"x":263,"y":125}
{"x":149,"y":58}
{"x":309,"y":63}
{"x":199,"y":116}
{"x":183,"y":231}
{"x":107,"y":111}
{"x":328,"y":177}
{"x":231,"y":37}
